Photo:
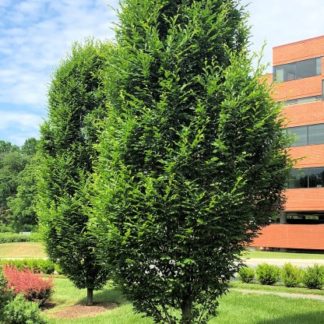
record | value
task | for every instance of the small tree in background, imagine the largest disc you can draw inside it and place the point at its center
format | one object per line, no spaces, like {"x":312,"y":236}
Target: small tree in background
{"x":192,"y":159}
{"x":76,"y":101}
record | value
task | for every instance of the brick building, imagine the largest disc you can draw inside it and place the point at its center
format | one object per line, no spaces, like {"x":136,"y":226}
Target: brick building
{"x":298,"y":75}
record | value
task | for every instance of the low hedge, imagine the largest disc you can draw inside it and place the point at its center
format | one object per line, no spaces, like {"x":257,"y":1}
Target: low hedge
{"x":35,"y":265}
{"x":16,"y":237}
{"x":291,"y":276}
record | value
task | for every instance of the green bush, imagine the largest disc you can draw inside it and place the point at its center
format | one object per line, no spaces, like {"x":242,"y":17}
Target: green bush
{"x":21,"y":311}
{"x":16,"y":237}
{"x":268,"y":274}
{"x":35,"y":265}
{"x":313,"y":277}
{"x":291,"y":275}
{"x":5,"y":294}
{"x":246,"y":274}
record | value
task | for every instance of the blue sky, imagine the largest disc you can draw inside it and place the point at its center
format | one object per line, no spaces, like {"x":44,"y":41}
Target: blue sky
{"x":36,"y":34}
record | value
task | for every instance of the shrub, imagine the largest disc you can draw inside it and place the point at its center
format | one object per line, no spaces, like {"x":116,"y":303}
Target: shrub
{"x":290,"y":275}
{"x":267,"y":274}
{"x":20,"y":311}
{"x":313,"y":277}
{"x":5,"y":294}
{"x":246,"y":274}
{"x":31,"y":285}
{"x":35,"y":265}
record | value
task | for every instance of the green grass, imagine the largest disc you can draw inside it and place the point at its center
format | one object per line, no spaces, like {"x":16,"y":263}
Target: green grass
{"x":277,"y":288}
{"x":234,"y":308}
{"x":282,"y":255}
{"x":23,"y":250}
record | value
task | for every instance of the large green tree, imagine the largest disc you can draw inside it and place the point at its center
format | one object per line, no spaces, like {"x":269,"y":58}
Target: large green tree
{"x":192,"y":158}
{"x":76,"y":102}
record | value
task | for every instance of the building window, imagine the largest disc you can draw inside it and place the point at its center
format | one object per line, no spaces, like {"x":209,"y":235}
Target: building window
{"x":306,"y":178}
{"x":306,"y":135}
{"x":297,"y":70}
{"x":305,"y":218}
{"x":299,"y":101}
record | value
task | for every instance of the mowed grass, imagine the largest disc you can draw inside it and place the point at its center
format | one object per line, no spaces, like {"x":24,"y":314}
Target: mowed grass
{"x":282,"y":255}
{"x":235,"y":307}
{"x":22,"y":250}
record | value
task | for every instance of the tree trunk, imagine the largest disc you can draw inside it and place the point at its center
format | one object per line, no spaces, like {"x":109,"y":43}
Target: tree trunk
{"x":89,"y":296}
{"x":186,"y":311}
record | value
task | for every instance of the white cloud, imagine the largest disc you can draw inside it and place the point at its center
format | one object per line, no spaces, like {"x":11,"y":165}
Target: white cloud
{"x":36,"y":35}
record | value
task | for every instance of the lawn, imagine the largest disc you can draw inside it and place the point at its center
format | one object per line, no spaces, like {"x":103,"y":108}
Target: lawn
{"x":234,"y":308}
{"x":276,"y":288}
{"x":23,"y":250}
{"x":282,"y":255}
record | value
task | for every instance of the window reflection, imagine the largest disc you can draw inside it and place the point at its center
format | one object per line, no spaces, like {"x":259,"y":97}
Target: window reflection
{"x":297,"y":70}
{"x":306,"y":178}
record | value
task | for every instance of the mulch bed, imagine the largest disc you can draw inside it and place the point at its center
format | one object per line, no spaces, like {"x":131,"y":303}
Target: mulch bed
{"x":77,"y":311}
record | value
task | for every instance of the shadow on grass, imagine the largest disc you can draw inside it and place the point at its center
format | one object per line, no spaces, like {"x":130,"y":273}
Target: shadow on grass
{"x":111,"y":295}
{"x":307,"y":318}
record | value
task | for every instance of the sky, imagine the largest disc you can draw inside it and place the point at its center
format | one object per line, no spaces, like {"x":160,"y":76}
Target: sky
{"x":35,"y":35}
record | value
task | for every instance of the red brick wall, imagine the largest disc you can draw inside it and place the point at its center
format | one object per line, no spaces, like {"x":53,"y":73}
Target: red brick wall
{"x":302,"y":50}
{"x":304,"y":114}
{"x":291,"y":236}
{"x":310,"y":199}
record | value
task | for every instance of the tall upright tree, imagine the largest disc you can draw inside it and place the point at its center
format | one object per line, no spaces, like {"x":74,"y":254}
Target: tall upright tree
{"x":76,"y":102}
{"x":193,"y":160}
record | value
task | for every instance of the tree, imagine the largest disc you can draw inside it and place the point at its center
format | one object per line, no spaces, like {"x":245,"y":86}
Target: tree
{"x":192,"y":160}
{"x":12,"y":162}
{"x":22,"y":205}
{"x":76,"y":101}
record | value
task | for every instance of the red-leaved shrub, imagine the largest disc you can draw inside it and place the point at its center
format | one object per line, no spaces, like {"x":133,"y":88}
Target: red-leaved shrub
{"x":31,"y":285}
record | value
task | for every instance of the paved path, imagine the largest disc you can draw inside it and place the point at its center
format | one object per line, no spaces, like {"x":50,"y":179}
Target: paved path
{"x":303,"y":263}
{"x":280,"y":294}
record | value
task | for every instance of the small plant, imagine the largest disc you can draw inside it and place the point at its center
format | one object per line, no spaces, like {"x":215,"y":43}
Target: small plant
{"x":267,"y":274}
{"x":313,"y":277}
{"x":246,"y":274}
{"x":20,"y":311}
{"x":29,"y":284}
{"x":290,"y":275}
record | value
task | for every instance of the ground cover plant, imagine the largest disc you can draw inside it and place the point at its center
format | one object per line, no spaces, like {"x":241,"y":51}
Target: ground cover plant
{"x":192,"y":155}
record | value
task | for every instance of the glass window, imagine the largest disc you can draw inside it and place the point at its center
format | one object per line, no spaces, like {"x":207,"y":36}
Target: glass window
{"x":299,"y":134}
{"x":306,"y":69}
{"x":306,"y":178}
{"x":297,"y":70}
{"x":316,"y":134}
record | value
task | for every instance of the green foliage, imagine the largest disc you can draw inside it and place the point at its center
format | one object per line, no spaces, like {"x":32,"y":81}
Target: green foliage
{"x":246,"y":274}
{"x":76,"y":102}
{"x":16,"y":209}
{"x":15,"y":237}
{"x":5,"y":294}
{"x":291,"y":275}
{"x":23,"y":204}
{"x":35,"y":265}
{"x":313,"y":277}
{"x":192,"y":157}
{"x":20,"y":311}
{"x":267,"y":274}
